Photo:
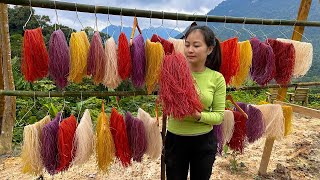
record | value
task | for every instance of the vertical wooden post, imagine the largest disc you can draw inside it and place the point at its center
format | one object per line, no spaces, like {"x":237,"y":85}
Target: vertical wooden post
{"x":297,"y":35}
{"x":9,"y":112}
{"x":2,"y":88}
{"x":163,"y":133}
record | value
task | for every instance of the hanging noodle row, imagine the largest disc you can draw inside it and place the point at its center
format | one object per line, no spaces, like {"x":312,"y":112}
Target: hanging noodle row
{"x":54,"y":146}
{"x":278,"y":59}
{"x":267,"y":120}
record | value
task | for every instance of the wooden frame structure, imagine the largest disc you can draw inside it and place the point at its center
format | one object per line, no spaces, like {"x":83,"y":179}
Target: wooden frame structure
{"x":7,"y":93}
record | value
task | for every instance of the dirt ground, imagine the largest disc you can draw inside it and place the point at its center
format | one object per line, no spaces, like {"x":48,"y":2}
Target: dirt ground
{"x":297,"y":156}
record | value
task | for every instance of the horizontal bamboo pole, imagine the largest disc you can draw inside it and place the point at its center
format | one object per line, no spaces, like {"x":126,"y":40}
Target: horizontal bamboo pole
{"x":155,"y":14}
{"x":129,"y":93}
{"x":71,"y":94}
{"x":273,"y":86}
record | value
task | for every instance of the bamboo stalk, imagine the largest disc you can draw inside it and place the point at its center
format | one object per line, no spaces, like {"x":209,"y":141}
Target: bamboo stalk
{"x":156,"y":14}
{"x":9,"y":113}
{"x":131,"y":93}
{"x":2,"y":102}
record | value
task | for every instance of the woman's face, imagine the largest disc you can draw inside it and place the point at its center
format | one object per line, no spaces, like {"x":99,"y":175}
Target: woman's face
{"x":196,"y":49}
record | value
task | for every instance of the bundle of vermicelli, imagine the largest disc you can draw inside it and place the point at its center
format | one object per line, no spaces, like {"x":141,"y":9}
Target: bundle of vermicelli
{"x":217,"y":130}
{"x":59,"y":59}
{"x":167,"y":45}
{"x":263,"y":66}
{"x":255,"y":126}
{"x":224,"y":131}
{"x":96,"y":59}
{"x":284,"y":60}
{"x":178,"y":45}
{"x":136,"y":137}
{"x":83,"y":140}
{"x":49,"y":149}
{"x":138,"y":62}
{"x":67,"y":129}
{"x":111,"y":77}
{"x":244,"y":64}
{"x":119,"y":134}
{"x":227,"y":126}
{"x":287,"y":113}
{"x":237,"y":141}
{"x":31,"y":149}
{"x":124,"y":57}
{"x":177,"y":90}
{"x":303,"y":56}
{"x":154,"y":57}
{"x":35,"y":57}
{"x":79,"y":50}
{"x":274,"y":120}
{"x":230,"y":59}
{"x":105,"y":149}
{"x":154,"y":140}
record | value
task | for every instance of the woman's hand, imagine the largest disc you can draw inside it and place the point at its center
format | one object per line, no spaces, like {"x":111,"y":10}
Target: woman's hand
{"x":197,"y":115}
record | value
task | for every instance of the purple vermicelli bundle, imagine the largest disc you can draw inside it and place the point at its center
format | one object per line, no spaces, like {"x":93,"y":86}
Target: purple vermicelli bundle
{"x":218,"y":133}
{"x":59,"y":59}
{"x":138,"y":59}
{"x":255,"y":126}
{"x":263,"y":66}
{"x":136,"y":137}
{"x":49,"y":148}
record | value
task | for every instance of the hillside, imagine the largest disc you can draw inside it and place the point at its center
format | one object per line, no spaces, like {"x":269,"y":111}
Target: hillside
{"x":114,"y":31}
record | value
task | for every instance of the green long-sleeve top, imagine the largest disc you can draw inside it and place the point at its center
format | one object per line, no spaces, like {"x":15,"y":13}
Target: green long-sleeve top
{"x":211,"y":86}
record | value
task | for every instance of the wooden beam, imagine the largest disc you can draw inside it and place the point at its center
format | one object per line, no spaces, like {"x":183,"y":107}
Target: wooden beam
{"x":302,"y":15}
{"x":297,"y":35}
{"x":266,"y":156}
{"x":301,"y":109}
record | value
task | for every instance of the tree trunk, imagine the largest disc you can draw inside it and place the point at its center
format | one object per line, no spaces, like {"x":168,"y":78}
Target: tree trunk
{"x":9,"y":109}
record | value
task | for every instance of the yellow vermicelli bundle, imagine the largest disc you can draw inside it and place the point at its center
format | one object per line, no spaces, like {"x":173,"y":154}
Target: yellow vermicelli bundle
{"x":287,"y":113}
{"x":79,"y":50}
{"x":31,"y":149}
{"x":29,"y":141}
{"x":245,"y":64}
{"x":154,"y":57}
{"x":105,"y":148}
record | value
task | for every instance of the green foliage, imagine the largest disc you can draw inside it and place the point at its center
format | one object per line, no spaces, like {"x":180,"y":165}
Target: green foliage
{"x":16,"y":44}
{"x":235,"y":165}
{"x":252,"y":97}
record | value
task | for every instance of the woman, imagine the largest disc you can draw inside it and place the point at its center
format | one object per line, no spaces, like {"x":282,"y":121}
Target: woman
{"x":191,"y":142}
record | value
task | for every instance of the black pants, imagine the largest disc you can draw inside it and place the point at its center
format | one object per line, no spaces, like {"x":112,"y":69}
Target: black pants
{"x":198,"y":152}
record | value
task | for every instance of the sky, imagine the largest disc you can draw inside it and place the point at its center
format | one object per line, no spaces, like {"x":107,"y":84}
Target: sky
{"x":69,"y":18}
